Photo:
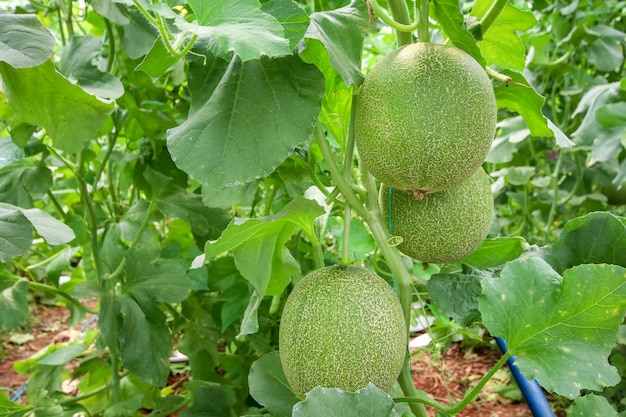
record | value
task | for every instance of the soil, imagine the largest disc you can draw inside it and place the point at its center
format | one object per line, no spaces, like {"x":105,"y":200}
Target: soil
{"x":445,"y":378}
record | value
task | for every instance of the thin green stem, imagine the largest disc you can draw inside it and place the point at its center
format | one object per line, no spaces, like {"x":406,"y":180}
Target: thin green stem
{"x":422,"y":31}
{"x":145,"y":13}
{"x":61,"y":21}
{"x":115,"y":380}
{"x":69,"y":19}
{"x":400,"y":13}
{"x":555,"y":196}
{"x":91,"y":216}
{"x":473,"y":393}
{"x":142,"y":228}
{"x":347,"y":175}
{"x":44,"y":287}
{"x":96,"y":179}
{"x":337,"y":176}
{"x":56,"y":204}
{"x":492,"y":14}
{"x":400,"y":27}
{"x":111,"y":37}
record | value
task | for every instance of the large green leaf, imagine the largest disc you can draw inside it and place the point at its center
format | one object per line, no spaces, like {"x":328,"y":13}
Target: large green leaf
{"x":598,"y":237}
{"x":240,"y":27}
{"x":42,"y":96}
{"x":501,"y":44}
{"x":332,"y":402}
{"x":449,"y":16}
{"x":341,"y":31}
{"x":16,"y":233}
{"x":24,"y":41}
{"x":245,"y":118}
{"x":77,"y":64}
{"x":561,"y":329}
{"x":269,"y":386}
{"x":14,"y":305}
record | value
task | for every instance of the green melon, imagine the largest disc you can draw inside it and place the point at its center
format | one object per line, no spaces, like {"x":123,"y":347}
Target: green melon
{"x":342,"y":327}
{"x":441,"y":227}
{"x":425,"y":118}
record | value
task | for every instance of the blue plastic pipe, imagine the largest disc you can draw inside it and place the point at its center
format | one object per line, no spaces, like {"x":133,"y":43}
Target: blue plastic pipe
{"x":532,"y":392}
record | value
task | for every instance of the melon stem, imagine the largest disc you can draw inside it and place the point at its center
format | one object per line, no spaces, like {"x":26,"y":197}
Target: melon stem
{"x":372,"y":216}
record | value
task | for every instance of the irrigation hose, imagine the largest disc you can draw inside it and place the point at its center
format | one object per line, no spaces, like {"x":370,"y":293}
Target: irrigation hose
{"x":532,"y":392}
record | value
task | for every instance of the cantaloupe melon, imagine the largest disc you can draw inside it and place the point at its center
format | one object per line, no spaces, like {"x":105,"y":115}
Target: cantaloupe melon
{"x":425,"y":118}
{"x":442,"y":227}
{"x":342,"y":327}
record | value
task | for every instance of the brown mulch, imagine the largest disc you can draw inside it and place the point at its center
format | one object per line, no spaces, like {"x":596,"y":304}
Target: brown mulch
{"x":446,"y":378}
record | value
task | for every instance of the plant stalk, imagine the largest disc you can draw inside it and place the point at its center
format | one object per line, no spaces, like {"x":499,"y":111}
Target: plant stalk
{"x":492,"y":14}
{"x":400,"y":13}
{"x":422,"y":31}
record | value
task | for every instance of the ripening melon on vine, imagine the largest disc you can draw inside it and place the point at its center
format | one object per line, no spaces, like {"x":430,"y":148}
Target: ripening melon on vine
{"x":342,"y":327}
{"x":425,"y":118}
{"x":441,"y":227}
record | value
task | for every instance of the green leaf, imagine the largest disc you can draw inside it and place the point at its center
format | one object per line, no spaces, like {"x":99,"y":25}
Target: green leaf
{"x":591,"y":406}
{"x":111,"y":10}
{"x":457,"y":296}
{"x":212,"y":401}
{"x":496,"y":252}
{"x":51,"y":229}
{"x":14,"y":305}
{"x":291,"y":16}
{"x":501,"y":44}
{"x":231,"y":104}
{"x":594,"y":238}
{"x":591,"y":102}
{"x":337,"y":100}
{"x":24,"y":41}
{"x":561,"y":329}
{"x":332,"y":402}
{"x":16,"y":233}
{"x":240,"y":27}
{"x":449,"y":16}
{"x":9,"y":408}
{"x":157,"y":61}
{"x":131,"y":321}
{"x":125,"y":408}
{"x":341,"y":31}
{"x":269,"y":386}
{"x":42,"y":96}
{"x":151,"y":280}
{"x":77,"y":64}
{"x":612,"y":115}
{"x":518,"y":96}
{"x":145,"y":342}
{"x":9,"y":152}
{"x":258,"y":246}
{"x":606,"y":54}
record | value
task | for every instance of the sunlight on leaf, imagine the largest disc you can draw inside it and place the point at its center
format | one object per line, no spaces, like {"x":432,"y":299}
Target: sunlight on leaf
{"x":561,"y":329}
{"x":24,"y":41}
